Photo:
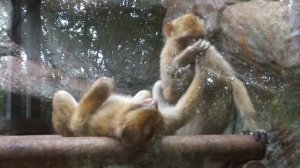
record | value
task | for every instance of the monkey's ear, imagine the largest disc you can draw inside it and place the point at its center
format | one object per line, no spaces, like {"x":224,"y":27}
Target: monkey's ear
{"x":168,"y":29}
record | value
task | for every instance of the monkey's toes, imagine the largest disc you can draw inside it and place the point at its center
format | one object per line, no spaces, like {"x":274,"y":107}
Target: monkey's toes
{"x":205,"y":45}
{"x":105,"y":82}
{"x":261,"y":135}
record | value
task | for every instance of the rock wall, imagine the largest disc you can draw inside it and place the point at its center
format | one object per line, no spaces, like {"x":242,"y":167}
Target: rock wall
{"x":29,"y":77}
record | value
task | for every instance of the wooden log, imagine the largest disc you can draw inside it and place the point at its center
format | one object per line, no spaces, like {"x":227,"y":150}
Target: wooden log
{"x":236,"y":148}
{"x":56,"y":151}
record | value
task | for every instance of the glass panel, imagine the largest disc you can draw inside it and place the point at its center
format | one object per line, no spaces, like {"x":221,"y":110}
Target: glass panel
{"x":46,"y":46}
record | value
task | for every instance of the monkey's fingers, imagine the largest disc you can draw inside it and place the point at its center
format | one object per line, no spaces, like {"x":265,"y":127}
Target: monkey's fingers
{"x":259,"y":135}
{"x":204,"y":45}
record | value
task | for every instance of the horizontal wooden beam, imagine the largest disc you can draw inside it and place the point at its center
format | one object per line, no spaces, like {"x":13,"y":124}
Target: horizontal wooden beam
{"x":53,"y":150}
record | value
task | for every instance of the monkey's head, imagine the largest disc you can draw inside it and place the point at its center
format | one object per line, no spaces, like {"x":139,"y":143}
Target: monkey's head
{"x":185,"y":27}
{"x":140,"y":124}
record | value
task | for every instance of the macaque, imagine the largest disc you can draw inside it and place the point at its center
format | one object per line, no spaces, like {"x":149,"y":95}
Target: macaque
{"x":177,"y":59}
{"x":184,"y":37}
{"x":132,"y":120}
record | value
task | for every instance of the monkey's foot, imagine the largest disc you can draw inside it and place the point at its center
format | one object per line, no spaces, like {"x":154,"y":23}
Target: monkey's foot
{"x":104,"y":84}
{"x":259,"y":135}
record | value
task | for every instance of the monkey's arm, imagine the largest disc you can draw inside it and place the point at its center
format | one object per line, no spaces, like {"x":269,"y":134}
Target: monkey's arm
{"x":177,"y":73}
{"x":94,"y":97}
{"x":188,"y":55}
{"x":176,"y":115}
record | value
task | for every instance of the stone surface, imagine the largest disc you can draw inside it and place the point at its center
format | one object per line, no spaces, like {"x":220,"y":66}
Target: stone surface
{"x":5,"y":20}
{"x":10,"y":48}
{"x":259,"y":30}
{"x":36,"y":80}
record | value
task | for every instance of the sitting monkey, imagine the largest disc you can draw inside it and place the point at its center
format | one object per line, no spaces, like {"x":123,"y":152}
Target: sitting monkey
{"x":132,"y":120}
{"x":184,"y":37}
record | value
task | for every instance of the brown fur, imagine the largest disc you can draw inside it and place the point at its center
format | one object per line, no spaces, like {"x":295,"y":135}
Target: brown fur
{"x":177,"y":87}
{"x":177,"y":59}
{"x":133,"y":120}
{"x":178,"y":114}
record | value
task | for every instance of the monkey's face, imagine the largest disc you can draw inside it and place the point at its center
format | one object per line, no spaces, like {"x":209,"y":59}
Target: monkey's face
{"x":141,"y":123}
{"x":188,"y":40}
{"x":185,"y":27}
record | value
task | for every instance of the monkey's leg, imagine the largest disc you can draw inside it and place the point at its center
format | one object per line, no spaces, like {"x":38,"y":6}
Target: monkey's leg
{"x":248,"y":114}
{"x":217,"y":64}
{"x":142,"y":95}
{"x":243,"y":103}
{"x":63,"y":106}
{"x":94,"y":97}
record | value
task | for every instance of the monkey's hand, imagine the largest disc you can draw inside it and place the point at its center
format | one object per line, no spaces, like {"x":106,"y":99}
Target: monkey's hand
{"x":259,"y":135}
{"x":188,"y":55}
{"x":199,"y":47}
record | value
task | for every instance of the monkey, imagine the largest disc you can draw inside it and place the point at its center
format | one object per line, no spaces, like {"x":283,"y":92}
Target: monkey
{"x":132,"y":120}
{"x":176,"y":70}
{"x":184,"y":36}
{"x":100,"y":112}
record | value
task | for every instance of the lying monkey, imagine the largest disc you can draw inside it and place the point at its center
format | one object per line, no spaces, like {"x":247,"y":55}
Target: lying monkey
{"x":132,"y":120}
